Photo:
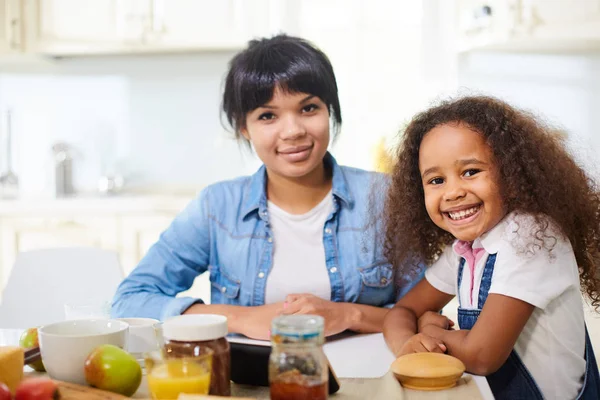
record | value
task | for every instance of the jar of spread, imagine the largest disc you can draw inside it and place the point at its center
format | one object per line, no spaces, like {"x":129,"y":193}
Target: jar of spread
{"x":298,"y":368}
{"x":186,"y":335}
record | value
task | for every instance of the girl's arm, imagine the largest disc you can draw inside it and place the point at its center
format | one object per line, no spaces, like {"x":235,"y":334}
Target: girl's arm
{"x":400,"y":323}
{"x":486,"y":347}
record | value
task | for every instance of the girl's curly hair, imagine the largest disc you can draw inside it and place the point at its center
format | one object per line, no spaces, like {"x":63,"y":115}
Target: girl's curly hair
{"x":537,"y":176}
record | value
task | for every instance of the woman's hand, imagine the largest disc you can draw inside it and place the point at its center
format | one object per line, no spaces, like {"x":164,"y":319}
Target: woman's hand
{"x":255,"y":322}
{"x":435,"y":319}
{"x":337,"y":315}
{"x":422,"y":343}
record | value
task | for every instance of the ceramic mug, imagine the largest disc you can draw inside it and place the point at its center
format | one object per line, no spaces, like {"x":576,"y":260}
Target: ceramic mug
{"x":142,"y":335}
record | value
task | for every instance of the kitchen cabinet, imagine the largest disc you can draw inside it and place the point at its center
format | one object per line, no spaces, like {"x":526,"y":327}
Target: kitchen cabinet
{"x":128,"y":225}
{"x":29,"y":233}
{"x":138,"y":234}
{"x":11,"y":27}
{"x":72,"y":27}
{"x":89,"y":26}
{"x":528,"y":25}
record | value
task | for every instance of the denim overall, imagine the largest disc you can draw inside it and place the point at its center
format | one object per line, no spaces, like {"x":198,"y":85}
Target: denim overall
{"x":513,"y":381}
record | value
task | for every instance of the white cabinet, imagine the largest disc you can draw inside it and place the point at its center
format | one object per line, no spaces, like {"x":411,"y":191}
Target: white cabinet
{"x":528,"y":25}
{"x":138,"y":234}
{"x":128,"y":226}
{"x":30,"y":233}
{"x":191,"y":24}
{"x":89,"y":26}
{"x":71,"y":27}
{"x":11,"y":26}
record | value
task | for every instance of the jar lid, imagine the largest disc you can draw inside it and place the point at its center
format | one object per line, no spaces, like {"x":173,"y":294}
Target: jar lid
{"x":298,"y":328}
{"x":195,"y":327}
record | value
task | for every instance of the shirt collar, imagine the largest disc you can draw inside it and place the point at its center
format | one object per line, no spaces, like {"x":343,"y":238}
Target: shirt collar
{"x":489,"y":241}
{"x":255,"y":197}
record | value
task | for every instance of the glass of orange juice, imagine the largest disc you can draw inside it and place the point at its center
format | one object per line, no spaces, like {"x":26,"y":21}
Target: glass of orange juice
{"x":169,"y":377}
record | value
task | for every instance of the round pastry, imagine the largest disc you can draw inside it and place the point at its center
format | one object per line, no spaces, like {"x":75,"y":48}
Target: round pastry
{"x":427,"y":371}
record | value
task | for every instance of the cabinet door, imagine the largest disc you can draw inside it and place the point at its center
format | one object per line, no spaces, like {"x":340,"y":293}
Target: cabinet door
{"x":11,"y":26}
{"x":23,"y":234}
{"x":138,"y":234}
{"x":90,"y":26}
{"x":562,"y":20}
{"x":197,"y":24}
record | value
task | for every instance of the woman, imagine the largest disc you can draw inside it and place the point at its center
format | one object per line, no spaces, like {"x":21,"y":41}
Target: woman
{"x":294,"y":237}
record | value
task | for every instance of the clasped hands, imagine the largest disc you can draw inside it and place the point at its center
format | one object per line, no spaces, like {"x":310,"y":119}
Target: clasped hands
{"x":337,"y":315}
{"x":429,"y":326}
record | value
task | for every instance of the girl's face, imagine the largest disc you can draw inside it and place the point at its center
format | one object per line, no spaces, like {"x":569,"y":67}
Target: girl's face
{"x":459,"y":177}
{"x":290,"y":133}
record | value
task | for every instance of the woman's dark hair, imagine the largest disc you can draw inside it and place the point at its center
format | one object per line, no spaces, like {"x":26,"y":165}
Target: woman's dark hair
{"x":290,"y":63}
{"x":537,"y":176}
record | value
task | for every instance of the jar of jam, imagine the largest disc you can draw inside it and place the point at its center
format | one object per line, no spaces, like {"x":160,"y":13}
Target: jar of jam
{"x":186,"y":335}
{"x":298,"y":368}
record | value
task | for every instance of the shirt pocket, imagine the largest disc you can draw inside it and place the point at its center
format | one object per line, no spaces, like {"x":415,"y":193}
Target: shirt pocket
{"x":377,"y":284}
{"x":227,"y":287}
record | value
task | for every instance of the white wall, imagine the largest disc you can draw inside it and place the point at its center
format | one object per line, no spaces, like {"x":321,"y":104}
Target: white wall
{"x":155,"y":119}
{"x":564,"y":89}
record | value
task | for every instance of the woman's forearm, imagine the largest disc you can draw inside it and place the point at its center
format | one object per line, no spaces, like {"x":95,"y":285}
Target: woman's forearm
{"x":252,"y":321}
{"x":400,"y":324}
{"x":363,"y":318}
{"x":231,"y":312}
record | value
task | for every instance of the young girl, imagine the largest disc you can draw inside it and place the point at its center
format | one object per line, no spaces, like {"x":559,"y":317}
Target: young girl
{"x":511,"y":224}
{"x":296,"y":236}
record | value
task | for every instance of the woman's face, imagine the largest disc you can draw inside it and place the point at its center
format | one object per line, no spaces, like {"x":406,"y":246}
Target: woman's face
{"x":290,"y":133}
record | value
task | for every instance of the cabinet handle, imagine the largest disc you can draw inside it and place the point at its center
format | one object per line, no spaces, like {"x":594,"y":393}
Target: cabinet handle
{"x":14,"y":34}
{"x":158,"y":16}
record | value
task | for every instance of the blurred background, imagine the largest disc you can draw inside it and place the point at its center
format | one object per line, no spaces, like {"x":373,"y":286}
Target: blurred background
{"x":109,"y":109}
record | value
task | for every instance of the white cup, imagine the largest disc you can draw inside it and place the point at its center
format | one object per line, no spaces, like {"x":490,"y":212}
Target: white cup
{"x":142,"y":335}
{"x":66,"y":345}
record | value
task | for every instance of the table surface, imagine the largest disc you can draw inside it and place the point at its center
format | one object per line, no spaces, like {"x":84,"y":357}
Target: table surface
{"x":358,"y":361}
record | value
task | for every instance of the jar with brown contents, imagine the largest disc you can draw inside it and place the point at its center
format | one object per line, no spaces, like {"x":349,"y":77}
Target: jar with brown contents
{"x":185,"y":335}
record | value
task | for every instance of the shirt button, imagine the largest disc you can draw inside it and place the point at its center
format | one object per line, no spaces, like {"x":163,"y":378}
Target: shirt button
{"x":270,"y":240}
{"x":328,"y":231}
{"x":261,"y":274}
{"x":223,"y":289}
{"x":333,"y":270}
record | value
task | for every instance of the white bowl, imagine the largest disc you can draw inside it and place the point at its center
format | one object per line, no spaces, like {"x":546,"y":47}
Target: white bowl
{"x":65,"y":345}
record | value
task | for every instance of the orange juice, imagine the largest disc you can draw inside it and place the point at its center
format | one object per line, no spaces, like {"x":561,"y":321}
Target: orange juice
{"x":168,"y":380}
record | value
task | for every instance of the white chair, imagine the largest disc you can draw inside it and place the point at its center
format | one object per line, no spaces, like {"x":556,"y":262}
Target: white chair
{"x":43,"y":281}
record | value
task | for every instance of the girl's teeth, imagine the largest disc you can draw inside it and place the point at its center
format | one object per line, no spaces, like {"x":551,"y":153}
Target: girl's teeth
{"x":463,"y":214}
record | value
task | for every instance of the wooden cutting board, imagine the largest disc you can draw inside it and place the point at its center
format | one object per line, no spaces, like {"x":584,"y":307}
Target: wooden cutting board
{"x":72,"y":391}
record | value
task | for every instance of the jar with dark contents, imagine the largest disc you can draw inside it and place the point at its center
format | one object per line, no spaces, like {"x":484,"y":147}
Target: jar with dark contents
{"x":186,"y":335}
{"x":298,"y":368}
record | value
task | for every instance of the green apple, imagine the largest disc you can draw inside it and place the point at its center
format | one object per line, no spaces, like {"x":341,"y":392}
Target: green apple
{"x":29,"y":339}
{"x":111,"y":368}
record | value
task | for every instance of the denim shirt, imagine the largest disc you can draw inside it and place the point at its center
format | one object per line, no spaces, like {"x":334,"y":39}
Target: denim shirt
{"x":226,"y":231}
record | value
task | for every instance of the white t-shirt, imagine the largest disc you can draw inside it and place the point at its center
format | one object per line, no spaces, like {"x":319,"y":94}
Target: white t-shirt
{"x":299,"y":254}
{"x":552,"y":343}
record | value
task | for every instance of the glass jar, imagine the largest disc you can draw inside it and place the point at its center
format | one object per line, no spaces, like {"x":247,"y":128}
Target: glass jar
{"x":187,"y":335}
{"x":298,"y":368}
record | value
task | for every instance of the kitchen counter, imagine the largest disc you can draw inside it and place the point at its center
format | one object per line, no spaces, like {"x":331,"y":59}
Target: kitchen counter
{"x":118,"y":204}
